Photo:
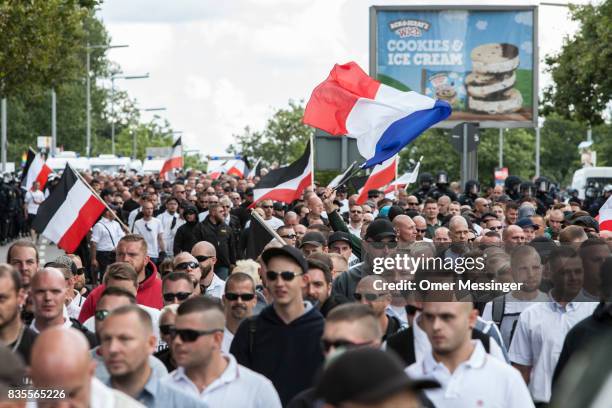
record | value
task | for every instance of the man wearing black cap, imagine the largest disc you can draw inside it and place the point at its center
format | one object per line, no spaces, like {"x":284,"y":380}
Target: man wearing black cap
{"x":339,"y":242}
{"x":312,"y":242}
{"x":379,"y":238}
{"x":588,"y":224}
{"x":185,"y":239}
{"x":368,"y":377}
{"x":282,"y":342}
{"x":529,"y":228}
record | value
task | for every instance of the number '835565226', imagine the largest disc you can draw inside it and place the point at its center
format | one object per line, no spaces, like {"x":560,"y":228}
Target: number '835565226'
{"x":34,"y":394}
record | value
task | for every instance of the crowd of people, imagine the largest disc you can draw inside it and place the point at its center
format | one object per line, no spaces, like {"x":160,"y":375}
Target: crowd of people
{"x":164,"y":305}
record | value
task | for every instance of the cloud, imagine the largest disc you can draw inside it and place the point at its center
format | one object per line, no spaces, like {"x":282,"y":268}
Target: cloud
{"x":482,"y":25}
{"x":525,"y":17}
{"x":527,"y":46}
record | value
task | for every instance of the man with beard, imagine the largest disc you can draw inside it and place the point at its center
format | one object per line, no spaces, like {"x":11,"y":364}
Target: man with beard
{"x":239,"y":300}
{"x":318,"y":289}
{"x":214,"y":230}
{"x":14,"y":334}
{"x":23,"y":256}
{"x":184,"y":239}
{"x":185,"y":262}
{"x":132,"y":249}
{"x":206,"y":255}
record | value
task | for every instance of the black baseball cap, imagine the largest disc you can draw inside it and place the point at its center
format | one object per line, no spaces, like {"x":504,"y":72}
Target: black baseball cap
{"x":527,"y":223}
{"x":288,"y":252}
{"x":345,"y":379}
{"x":278,"y":206}
{"x":339,"y":236}
{"x":587,"y":221}
{"x":380,"y":228}
{"x":488,"y":216}
{"x":313,"y":238}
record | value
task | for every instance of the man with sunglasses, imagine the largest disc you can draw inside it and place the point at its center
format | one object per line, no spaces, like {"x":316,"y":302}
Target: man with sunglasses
{"x":214,"y":230}
{"x":379,"y":240}
{"x":127,"y":343}
{"x":79,"y":279}
{"x":177,"y":287}
{"x":205,"y":371}
{"x":421,"y":228}
{"x":206,"y":255}
{"x":378,"y":301}
{"x":286,"y":334}
{"x":492,"y":223}
{"x":349,"y":326}
{"x":185,"y":262}
{"x":113,"y":298}
{"x":287,"y":233}
{"x":239,"y":300}
{"x":355,"y":219}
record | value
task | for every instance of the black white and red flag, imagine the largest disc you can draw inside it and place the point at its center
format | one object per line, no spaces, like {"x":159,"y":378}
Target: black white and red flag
{"x":285,"y":184}
{"x":35,"y":170}
{"x":69,"y":212}
{"x":175,"y":161}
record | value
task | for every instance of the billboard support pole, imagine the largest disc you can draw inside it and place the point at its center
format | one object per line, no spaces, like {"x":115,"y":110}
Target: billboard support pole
{"x":537,"y":157}
{"x":464,"y":160}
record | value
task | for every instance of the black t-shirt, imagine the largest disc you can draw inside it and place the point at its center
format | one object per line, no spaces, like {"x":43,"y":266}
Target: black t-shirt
{"x":24,"y":349}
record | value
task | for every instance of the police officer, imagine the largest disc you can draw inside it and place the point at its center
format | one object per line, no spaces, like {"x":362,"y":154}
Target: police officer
{"x":511,"y":185}
{"x":543,"y":194}
{"x":5,"y":192}
{"x":425,"y":186}
{"x":472,"y":189}
{"x":442,"y":187}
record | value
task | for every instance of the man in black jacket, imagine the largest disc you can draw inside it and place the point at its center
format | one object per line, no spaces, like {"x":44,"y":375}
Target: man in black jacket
{"x":283,"y":341}
{"x":214,"y":230}
{"x":185,"y":239}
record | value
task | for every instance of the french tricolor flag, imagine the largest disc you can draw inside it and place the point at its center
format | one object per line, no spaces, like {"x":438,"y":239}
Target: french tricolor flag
{"x":381,"y":118}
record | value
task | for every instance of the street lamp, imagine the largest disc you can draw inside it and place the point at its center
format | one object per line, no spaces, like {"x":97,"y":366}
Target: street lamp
{"x":113,"y":77}
{"x":134,"y":133}
{"x":88,"y":93}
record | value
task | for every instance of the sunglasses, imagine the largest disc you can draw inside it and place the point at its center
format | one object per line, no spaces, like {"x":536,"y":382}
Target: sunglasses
{"x":356,"y":212}
{"x":290,"y":236}
{"x":497,"y":228}
{"x":80,"y":271}
{"x":287,"y":276}
{"x":244,"y":296}
{"x":409,"y":203}
{"x":166,"y":329}
{"x":381,"y":245}
{"x":422,"y":231}
{"x":203,"y":258}
{"x":370,"y":297}
{"x":190,"y":335}
{"x":266,"y":206}
{"x":102,"y":314}
{"x":328,"y":344}
{"x":186,"y":265}
{"x":169,"y":297}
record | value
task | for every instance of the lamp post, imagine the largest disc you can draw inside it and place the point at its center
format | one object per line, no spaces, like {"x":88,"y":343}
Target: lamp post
{"x":88,"y":93}
{"x":113,"y":77}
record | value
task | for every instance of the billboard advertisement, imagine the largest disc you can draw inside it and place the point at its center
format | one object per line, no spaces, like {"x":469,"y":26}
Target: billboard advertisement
{"x":483,"y":61}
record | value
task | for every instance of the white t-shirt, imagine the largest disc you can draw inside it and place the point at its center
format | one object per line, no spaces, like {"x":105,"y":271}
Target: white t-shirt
{"x":169,"y":233}
{"x":150,"y":230}
{"x":106,"y":234}
{"x":32,"y":198}
{"x":274,"y":223}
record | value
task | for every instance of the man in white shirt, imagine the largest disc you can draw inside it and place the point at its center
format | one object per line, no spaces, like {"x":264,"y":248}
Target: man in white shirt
{"x":171,"y":221}
{"x":152,"y":231}
{"x":541,"y":329}
{"x":206,"y":255}
{"x":239,"y":300}
{"x":468,"y":376}
{"x":355,"y":220}
{"x":105,"y":236}
{"x":269,"y":217}
{"x":204,"y":370}
{"x":526,"y":268}
{"x":33,"y":199}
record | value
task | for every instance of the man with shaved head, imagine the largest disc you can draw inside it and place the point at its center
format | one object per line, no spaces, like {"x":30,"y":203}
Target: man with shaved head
{"x":405,"y":228}
{"x":185,"y":262}
{"x":73,"y":376}
{"x":206,"y":255}
{"x":512,"y":237}
{"x":196,"y":347}
{"x":458,"y":231}
{"x":127,"y":342}
{"x":459,"y":362}
{"x":49,"y":296}
{"x":315,"y":214}
{"x":421,"y":228}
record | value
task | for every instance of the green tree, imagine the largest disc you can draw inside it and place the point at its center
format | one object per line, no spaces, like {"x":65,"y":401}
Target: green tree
{"x":582,"y":85}
{"x":151,"y":134}
{"x":282,"y":141}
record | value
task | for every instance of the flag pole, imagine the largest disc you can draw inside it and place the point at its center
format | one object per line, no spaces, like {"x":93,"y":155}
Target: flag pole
{"x":396,"y":173}
{"x":256,"y":215}
{"x":99,"y":198}
{"x":312,"y":160}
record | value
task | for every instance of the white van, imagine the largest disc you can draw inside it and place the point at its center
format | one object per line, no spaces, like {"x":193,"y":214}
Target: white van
{"x":109,"y":163}
{"x":595,"y":177}
{"x":58,"y":162}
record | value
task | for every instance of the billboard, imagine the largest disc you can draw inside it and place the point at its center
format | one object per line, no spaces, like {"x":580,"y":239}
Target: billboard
{"x":482,"y":60}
